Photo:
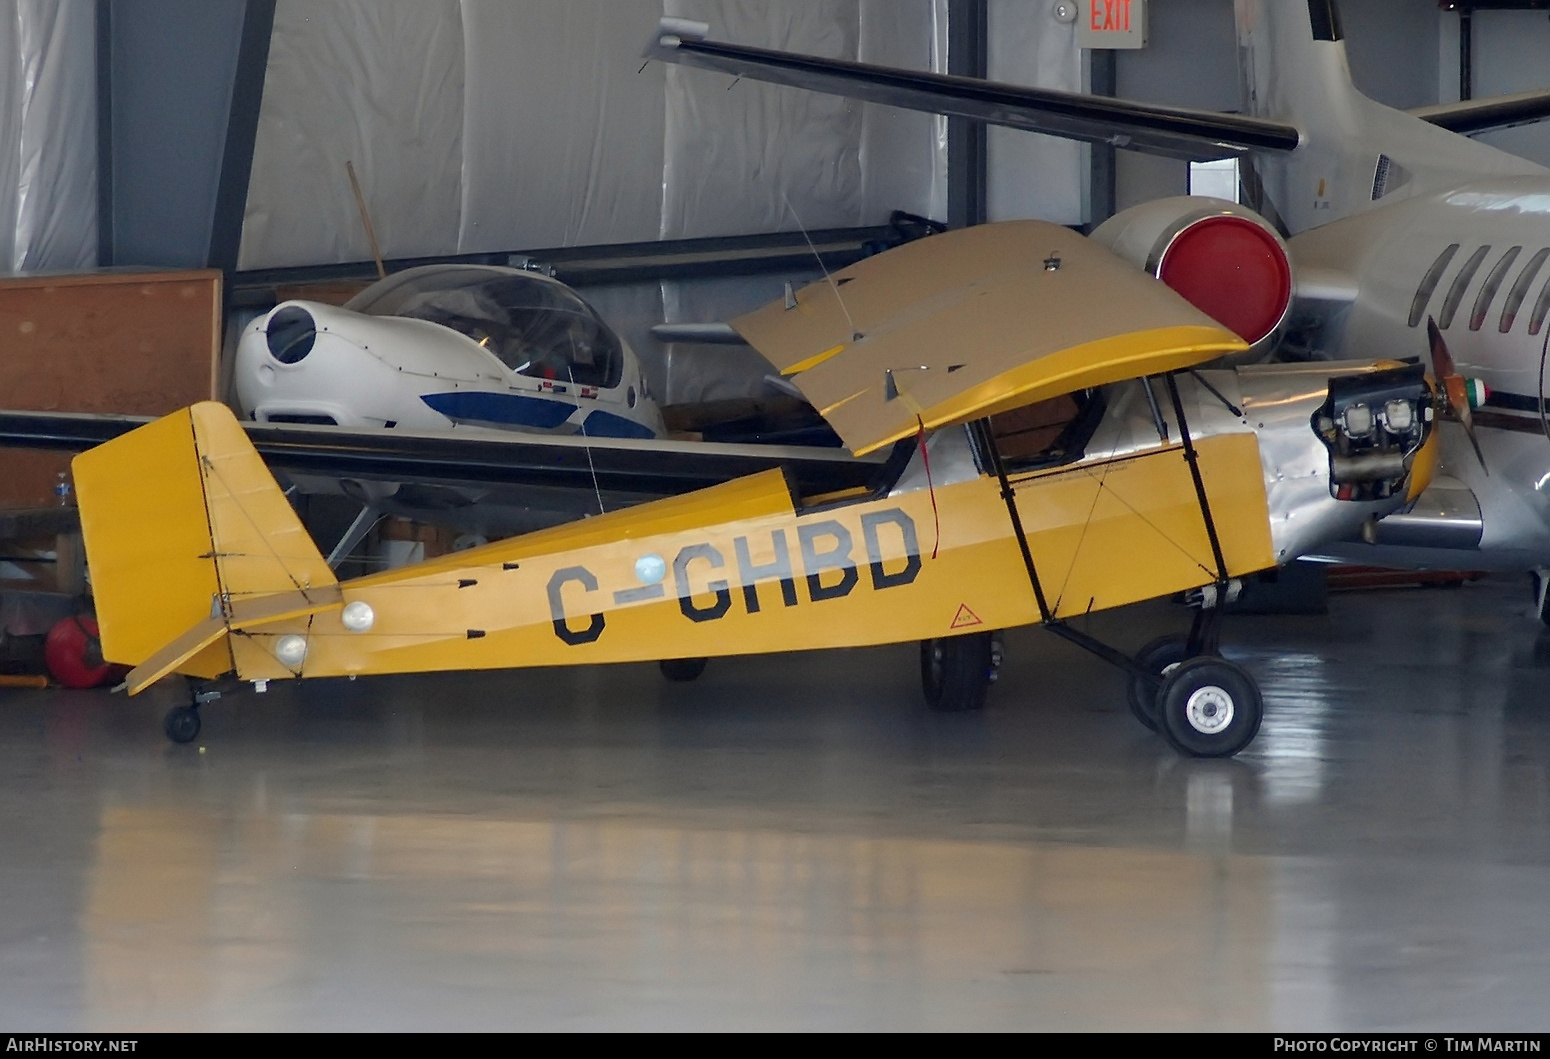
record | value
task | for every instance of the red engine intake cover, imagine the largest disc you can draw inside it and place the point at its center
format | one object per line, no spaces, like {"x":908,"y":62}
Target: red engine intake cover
{"x":1232,"y":270}
{"x":73,"y":654}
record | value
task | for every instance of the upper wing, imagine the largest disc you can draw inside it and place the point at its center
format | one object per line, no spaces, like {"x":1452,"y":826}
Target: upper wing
{"x":972,"y":322}
{"x":627,"y":467}
{"x":1481,"y":115}
{"x":1177,"y":131}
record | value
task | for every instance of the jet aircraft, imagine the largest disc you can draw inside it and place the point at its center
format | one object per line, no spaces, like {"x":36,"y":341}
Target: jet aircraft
{"x":1391,"y":219}
{"x":1052,"y":450}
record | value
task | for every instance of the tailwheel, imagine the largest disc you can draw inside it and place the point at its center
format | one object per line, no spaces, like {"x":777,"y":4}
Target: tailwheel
{"x":956,"y":672}
{"x":1161,"y":657}
{"x":682,"y":670}
{"x":1209,"y":707}
{"x":182,"y":724}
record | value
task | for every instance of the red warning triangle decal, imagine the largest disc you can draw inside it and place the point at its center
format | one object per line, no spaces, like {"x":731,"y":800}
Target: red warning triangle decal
{"x":965,"y":617}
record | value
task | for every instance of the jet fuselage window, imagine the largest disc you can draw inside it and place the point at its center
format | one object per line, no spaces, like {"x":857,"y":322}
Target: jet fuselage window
{"x":1423,"y":293}
{"x":1461,"y":282}
{"x":1536,"y":319}
{"x":1519,"y":290}
{"x":1492,"y":284}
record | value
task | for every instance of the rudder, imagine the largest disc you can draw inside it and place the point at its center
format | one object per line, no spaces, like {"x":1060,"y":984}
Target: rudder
{"x":183,"y":524}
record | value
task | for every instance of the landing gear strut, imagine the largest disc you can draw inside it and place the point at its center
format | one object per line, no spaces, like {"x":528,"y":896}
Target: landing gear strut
{"x":182,"y":723}
{"x":1203,"y":705}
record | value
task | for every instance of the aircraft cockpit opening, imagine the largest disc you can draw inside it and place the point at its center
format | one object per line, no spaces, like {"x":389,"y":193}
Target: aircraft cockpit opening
{"x":536,"y":326}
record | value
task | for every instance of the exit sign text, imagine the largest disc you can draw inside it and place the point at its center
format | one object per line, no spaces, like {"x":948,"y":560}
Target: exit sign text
{"x":1111,"y":24}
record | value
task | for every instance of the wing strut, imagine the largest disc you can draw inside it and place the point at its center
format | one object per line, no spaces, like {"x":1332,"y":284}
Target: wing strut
{"x":1204,"y":632}
{"x":1193,"y":459}
{"x":987,"y":440}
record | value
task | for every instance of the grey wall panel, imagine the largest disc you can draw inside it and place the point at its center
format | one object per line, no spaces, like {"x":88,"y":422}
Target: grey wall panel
{"x":1190,"y":61}
{"x":173,"y":67}
{"x":1392,"y":45}
{"x":1511,"y":54}
{"x":903,"y":152}
{"x":1031,"y":175}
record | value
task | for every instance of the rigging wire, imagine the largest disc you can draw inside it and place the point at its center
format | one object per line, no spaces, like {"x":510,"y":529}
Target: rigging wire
{"x":855,"y":335}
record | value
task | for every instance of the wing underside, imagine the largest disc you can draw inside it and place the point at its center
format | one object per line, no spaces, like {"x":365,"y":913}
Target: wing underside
{"x":1176,"y":131}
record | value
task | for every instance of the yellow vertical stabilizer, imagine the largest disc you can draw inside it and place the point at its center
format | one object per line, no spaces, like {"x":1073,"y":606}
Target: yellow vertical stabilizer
{"x":185,"y":527}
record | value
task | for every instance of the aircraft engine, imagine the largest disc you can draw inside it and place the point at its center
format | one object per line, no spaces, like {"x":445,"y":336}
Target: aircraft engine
{"x":1225,"y":259}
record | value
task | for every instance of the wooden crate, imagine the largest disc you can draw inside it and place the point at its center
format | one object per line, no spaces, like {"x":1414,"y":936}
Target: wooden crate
{"x":134,"y":343}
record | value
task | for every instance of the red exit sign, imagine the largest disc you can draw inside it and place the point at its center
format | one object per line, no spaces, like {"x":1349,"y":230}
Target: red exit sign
{"x":1111,"y":23}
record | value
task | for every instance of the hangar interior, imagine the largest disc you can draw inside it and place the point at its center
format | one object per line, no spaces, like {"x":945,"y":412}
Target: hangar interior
{"x":792,"y":840}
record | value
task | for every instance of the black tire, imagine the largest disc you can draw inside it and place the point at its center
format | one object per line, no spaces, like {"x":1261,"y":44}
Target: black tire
{"x":682,"y":670}
{"x":956,"y":672}
{"x":1160,"y":656}
{"x":1209,"y":708}
{"x":181,"y":724}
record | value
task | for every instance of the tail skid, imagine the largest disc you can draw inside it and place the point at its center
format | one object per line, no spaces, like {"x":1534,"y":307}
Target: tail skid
{"x":189,"y":539}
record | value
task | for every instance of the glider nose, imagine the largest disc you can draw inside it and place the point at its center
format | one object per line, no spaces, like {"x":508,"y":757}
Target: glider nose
{"x":290,"y":333}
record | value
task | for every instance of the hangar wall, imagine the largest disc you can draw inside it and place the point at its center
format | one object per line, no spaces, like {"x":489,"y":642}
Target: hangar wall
{"x":1510,"y":50}
{"x":48,"y":146}
{"x":473,"y":130}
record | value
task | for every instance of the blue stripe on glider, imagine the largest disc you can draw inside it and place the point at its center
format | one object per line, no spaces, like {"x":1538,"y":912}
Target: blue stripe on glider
{"x":602,"y":424}
{"x":509,"y":409}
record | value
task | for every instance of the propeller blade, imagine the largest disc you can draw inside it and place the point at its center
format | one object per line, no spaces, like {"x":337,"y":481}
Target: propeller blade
{"x":1455,"y":389}
{"x":1442,"y":360}
{"x":1468,"y":421}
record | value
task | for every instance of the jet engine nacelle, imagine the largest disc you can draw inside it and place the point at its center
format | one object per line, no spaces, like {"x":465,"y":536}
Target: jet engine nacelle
{"x":1225,"y":259}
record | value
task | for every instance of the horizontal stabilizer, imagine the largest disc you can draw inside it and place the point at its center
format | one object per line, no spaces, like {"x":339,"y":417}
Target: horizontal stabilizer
{"x":1470,"y":116}
{"x":178,"y":653}
{"x":1176,"y":131}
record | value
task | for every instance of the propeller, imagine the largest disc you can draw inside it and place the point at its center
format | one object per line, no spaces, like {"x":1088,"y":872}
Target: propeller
{"x":1455,"y":390}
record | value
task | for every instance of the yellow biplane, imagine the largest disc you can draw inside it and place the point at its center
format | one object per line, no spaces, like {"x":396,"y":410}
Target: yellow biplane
{"x":1053,"y":450}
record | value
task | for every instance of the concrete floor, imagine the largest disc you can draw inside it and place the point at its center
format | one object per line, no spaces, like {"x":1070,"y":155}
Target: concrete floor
{"x":794,"y":842}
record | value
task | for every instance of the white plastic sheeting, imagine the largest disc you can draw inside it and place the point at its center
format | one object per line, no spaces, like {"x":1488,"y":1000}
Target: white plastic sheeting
{"x":480,"y":125}
{"x":48,"y":135}
{"x":377,"y":84}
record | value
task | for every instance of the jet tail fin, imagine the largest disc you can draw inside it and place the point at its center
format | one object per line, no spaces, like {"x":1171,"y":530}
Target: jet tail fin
{"x":188,"y":537}
{"x":1354,"y":151}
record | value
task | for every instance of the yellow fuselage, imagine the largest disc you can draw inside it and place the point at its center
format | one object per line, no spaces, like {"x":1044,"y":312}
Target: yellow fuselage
{"x":743,"y":571}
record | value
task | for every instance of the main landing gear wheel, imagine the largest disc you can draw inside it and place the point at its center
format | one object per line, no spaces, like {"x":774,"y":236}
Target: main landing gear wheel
{"x":682,"y":670}
{"x":1209,"y":707}
{"x":1161,"y":656}
{"x":956,"y":672}
{"x":181,"y":724}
